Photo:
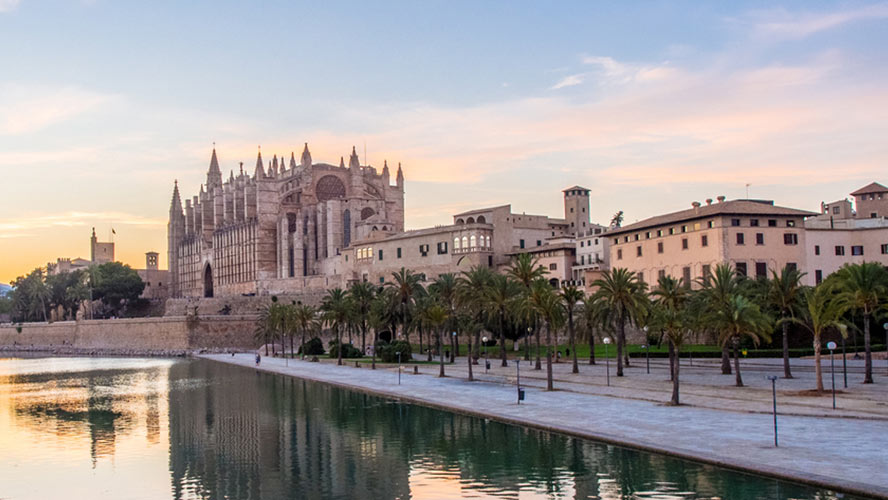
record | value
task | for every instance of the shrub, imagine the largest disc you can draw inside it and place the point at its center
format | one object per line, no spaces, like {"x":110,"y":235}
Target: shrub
{"x":348,"y":350}
{"x":387,"y":352}
{"x":312,"y":348}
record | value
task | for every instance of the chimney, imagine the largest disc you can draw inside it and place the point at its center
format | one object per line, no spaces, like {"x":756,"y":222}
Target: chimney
{"x":720,"y":199}
{"x":709,"y":201}
{"x":696,"y":205}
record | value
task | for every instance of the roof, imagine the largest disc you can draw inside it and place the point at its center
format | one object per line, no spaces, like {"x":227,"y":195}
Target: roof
{"x":488,"y":209}
{"x":573,"y":188}
{"x":733,"y":207}
{"x":873,"y":187}
{"x":543,"y":248}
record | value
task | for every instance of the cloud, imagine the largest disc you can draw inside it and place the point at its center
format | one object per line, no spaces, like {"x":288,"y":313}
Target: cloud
{"x":30,"y":108}
{"x":612,"y":71}
{"x":8,"y":5}
{"x":20,"y":227}
{"x":568,"y":81}
{"x":783,"y":24}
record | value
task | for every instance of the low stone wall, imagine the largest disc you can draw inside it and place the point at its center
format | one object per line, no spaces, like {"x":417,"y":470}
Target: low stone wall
{"x":149,"y":335}
{"x":238,"y":304}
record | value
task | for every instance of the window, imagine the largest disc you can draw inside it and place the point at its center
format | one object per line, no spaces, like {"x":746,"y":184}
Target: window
{"x":686,"y":275}
{"x":816,"y":249}
{"x":539,"y":243}
{"x":790,"y":223}
{"x":684,"y":243}
{"x":840,"y":250}
{"x":619,"y":254}
{"x":857,"y":250}
{"x":582,"y":243}
{"x":661,"y":274}
{"x":616,"y":241}
{"x":885,"y":249}
{"x":571,"y":210}
{"x":637,"y":237}
{"x":704,"y":240}
{"x":754,"y":222}
{"x":442,"y":247}
{"x":772,"y":222}
{"x":659,"y":247}
{"x":553,"y":267}
{"x":710,"y":224}
{"x":399,"y":252}
{"x":465,"y":243}
{"x":759,"y":238}
{"x":684,"y":229}
{"x":761,"y":269}
{"x":647,"y":235}
{"x":381,"y":280}
{"x":741,"y":268}
{"x":671,"y":230}
{"x":424,"y":250}
{"x":707,"y":273}
{"x":380,"y":254}
{"x":640,"y":277}
{"x":520,"y":243}
{"x":638,"y":251}
{"x":735,"y":222}
{"x":740,"y":240}
{"x":836,"y":210}
{"x":790,"y":239}
{"x":455,"y":244}
{"x":659,"y":232}
{"x":874,"y":215}
{"x":792,"y":266}
{"x":818,"y":277}
{"x":473,"y":242}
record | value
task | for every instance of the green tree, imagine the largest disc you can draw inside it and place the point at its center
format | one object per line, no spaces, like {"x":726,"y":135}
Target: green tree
{"x":362,"y":295}
{"x":821,"y":312}
{"x":406,"y":285}
{"x":116,"y":284}
{"x":471,"y":294}
{"x":548,"y":306}
{"x":304,"y":320}
{"x":863,"y":288}
{"x":717,"y":291}
{"x":624,"y":295}
{"x":525,"y":269}
{"x":501,"y":291}
{"x":784,"y":295}
{"x":741,"y":318}
{"x":335,"y":310}
{"x":670,"y":316}
{"x":436,"y":316}
{"x":445,"y":290}
{"x":571,"y":296}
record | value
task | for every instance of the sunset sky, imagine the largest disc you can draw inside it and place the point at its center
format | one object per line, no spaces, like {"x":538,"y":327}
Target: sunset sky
{"x":651,"y":105}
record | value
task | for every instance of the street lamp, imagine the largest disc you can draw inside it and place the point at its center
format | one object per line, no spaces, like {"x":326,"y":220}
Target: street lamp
{"x":885,"y":327}
{"x":607,"y":342}
{"x":773,"y":379}
{"x":486,"y":359}
{"x":399,"y":367}
{"x":832,"y":369}
{"x":453,"y":353}
{"x":518,"y":381}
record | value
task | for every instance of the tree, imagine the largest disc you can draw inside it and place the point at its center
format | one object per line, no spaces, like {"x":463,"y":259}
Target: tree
{"x":784,"y":294}
{"x":547,"y":304}
{"x":471,"y":294}
{"x":525,"y":269}
{"x":384,"y":312}
{"x":594,"y":317}
{"x":362,"y":294}
{"x":116,"y":284}
{"x":716,"y":292}
{"x":466,"y":323}
{"x":670,"y":316}
{"x":571,"y":295}
{"x":436,"y":316}
{"x":822,"y":311}
{"x":271,"y":324}
{"x":624,"y":295}
{"x":30,"y":296}
{"x":617,"y":220}
{"x":406,"y":285}
{"x":863,"y":288}
{"x":741,"y":318}
{"x":500,"y":293}
{"x":444,"y":289}
{"x":335,"y":311}
{"x":304,"y":320}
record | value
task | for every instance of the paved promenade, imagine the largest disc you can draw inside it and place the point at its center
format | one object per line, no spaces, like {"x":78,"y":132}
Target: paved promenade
{"x":730,"y":427}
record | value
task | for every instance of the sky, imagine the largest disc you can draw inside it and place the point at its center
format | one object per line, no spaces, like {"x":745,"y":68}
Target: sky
{"x":651,"y":105}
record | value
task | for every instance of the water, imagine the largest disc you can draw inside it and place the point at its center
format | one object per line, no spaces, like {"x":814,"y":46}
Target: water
{"x":84,"y":428}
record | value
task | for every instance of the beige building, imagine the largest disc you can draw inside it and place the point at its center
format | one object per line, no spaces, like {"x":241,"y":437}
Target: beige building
{"x":100,"y":252}
{"x":755,"y":236}
{"x":593,"y":256}
{"x":157,"y":281}
{"x":871,"y":201}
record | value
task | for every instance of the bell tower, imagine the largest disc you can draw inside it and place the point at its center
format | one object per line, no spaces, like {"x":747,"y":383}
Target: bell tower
{"x":576,"y":210}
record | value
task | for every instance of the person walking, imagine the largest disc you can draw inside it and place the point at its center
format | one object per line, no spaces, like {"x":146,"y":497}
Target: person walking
{"x":258,"y":358}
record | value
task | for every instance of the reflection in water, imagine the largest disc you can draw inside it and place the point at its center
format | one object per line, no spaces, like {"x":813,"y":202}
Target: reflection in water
{"x":119,"y":428}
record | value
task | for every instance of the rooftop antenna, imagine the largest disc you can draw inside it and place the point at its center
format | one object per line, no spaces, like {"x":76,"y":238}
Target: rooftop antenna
{"x":747,"y":190}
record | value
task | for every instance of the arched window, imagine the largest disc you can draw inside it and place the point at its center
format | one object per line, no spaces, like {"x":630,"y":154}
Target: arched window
{"x":456,"y":243}
{"x":472,"y":242}
{"x":470,"y":220}
{"x":460,"y":221}
{"x":346,"y":228}
{"x":329,"y":187}
{"x":488,"y":241}
{"x":481,"y":219}
{"x":465,"y":243}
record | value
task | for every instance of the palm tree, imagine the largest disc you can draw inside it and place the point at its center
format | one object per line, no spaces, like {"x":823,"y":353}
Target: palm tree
{"x":304,"y":319}
{"x":436,"y":315}
{"x":525,"y":269}
{"x":670,"y":316}
{"x":501,"y":291}
{"x":362,"y":294}
{"x":466,"y":323}
{"x":527,"y":312}
{"x":444,"y":287}
{"x":383,"y":313}
{"x":822,"y":311}
{"x":548,"y":306}
{"x":741,"y":318}
{"x":571,"y":295}
{"x":419,"y":321}
{"x":863,"y":288}
{"x":270,"y":325}
{"x":624,"y":294}
{"x":406,"y":285}
{"x":716,"y":291}
{"x":471,"y":292}
{"x":594,"y":317}
{"x":335,"y":309}
{"x":784,"y":294}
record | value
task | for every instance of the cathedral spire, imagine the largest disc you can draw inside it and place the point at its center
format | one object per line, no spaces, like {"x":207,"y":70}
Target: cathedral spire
{"x":341,"y":162}
{"x":214,"y":175}
{"x":259,"y":173}
{"x":274,"y":163}
{"x":292,"y":160}
{"x":176,"y":203}
{"x":306,"y":157}
{"x":353,"y":161}
{"x":400,"y":178}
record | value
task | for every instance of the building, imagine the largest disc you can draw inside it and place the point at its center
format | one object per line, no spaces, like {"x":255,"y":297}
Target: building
{"x":100,"y":252}
{"x":840,"y":235}
{"x":593,"y":256}
{"x":157,"y":281}
{"x":755,"y":236}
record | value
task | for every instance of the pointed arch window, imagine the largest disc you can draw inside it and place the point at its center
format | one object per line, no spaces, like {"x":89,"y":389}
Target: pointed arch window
{"x":472,"y":242}
{"x":465,"y":243}
{"x":456,"y":243}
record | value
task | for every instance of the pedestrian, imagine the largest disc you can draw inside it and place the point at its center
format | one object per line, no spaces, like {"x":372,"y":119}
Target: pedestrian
{"x":258,"y":359}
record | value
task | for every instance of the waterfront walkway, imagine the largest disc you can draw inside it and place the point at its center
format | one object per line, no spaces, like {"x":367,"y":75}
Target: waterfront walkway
{"x":721,"y":424}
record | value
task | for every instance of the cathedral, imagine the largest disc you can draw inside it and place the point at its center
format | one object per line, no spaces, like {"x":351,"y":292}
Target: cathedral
{"x":282,"y":228}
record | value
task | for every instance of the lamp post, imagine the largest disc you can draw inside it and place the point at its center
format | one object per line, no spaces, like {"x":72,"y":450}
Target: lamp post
{"x":832,"y":369}
{"x":486,"y":359}
{"x":773,"y":379}
{"x":399,"y":367}
{"x":518,"y":380}
{"x":844,"y":362}
{"x":885,"y":327}
{"x":607,"y":342}
{"x":647,"y":356}
{"x":453,"y":353}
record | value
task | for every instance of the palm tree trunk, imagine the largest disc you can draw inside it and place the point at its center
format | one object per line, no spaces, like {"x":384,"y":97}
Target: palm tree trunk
{"x":364,"y":337}
{"x":818,"y":370}
{"x":527,"y":346}
{"x":739,"y":379}
{"x":502,"y":338}
{"x":726,"y":360}
{"x":338,"y":347}
{"x":454,"y":352}
{"x":539,"y":349}
{"x":786,"y":372}
{"x":420,"y":342}
{"x":549,"y":385}
{"x":469,"y":357}
{"x":672,"y":357}
{"x":674,"y":374}
{"x":867,"y":356}
{"x":620,"y":335}
{"x":375,"y":341}
{"x":591,"y":346}
{"x":292,"y":347}
{"x":302,"y":347}
{"x":441,"y":352}
{"x":573,"y":345}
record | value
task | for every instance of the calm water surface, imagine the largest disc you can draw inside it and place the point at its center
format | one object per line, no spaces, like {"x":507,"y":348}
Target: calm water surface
{"x":84,"y":428}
